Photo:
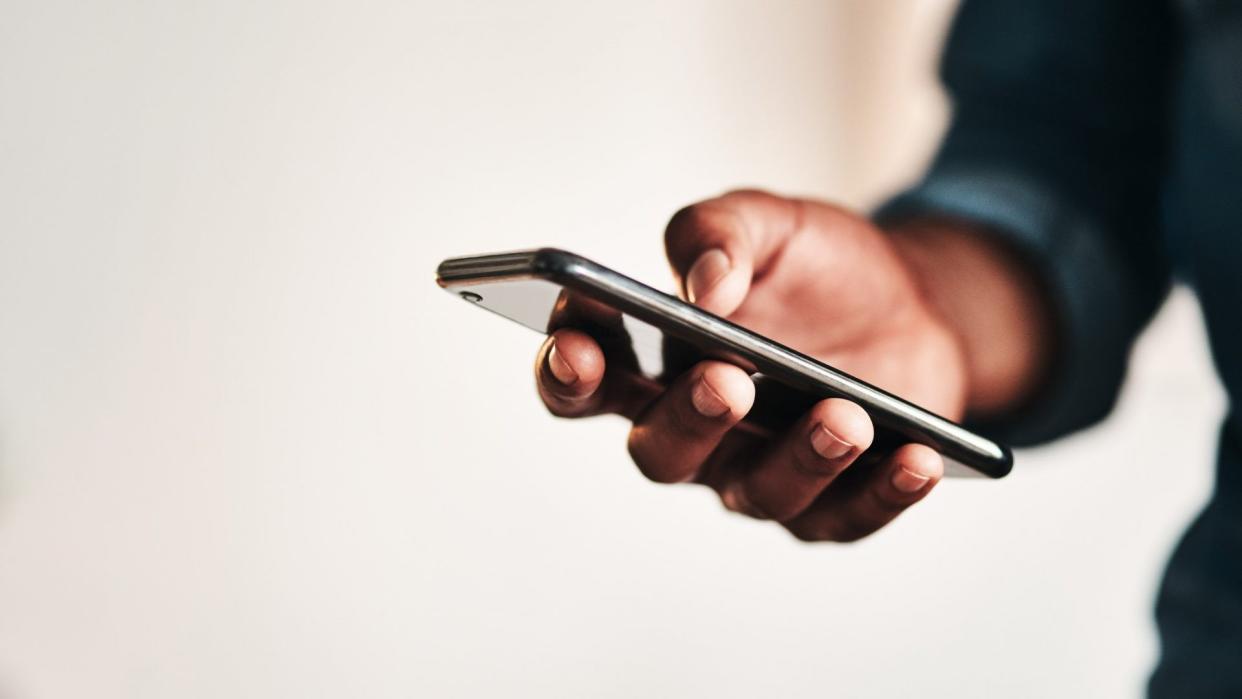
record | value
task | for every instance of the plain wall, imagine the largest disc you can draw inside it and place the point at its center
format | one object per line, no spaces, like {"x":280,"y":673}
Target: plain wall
{"x":248,"y":449}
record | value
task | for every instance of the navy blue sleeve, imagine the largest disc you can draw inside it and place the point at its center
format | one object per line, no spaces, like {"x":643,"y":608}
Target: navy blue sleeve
{"x":1058,"y":144}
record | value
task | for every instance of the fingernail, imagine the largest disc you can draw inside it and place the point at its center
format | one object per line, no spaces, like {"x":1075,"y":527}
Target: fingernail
{"x":706,"y":401}
{"x":827,"y":444}
{"x":707,"y":271}
{"x":560,"y":368}
{"x":735,"y":500}
{"x":908,"y":481}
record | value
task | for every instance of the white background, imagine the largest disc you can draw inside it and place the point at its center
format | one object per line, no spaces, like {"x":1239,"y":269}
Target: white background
{"x":248,"y":449}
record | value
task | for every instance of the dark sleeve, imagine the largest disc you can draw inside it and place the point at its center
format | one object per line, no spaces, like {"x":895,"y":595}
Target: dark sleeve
{"x":1058,"y":144}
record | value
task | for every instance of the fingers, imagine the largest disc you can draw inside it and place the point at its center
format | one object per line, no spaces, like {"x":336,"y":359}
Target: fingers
{"x":568,"y":372}
{"x":850,"y":513}
{"x":674,"y":436}
{"x":806,"y":460}
{"x":798,"y":482}
{"x":717,"y":246}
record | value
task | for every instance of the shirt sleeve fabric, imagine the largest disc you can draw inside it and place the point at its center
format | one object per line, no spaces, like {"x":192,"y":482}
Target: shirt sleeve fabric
{"x":1058,"y":144}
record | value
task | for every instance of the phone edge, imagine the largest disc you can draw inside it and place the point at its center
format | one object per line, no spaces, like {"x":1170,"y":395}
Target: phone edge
{"x":570,"y":269}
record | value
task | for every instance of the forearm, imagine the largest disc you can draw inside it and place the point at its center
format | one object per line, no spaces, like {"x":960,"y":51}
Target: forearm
{"x":991,"y":299}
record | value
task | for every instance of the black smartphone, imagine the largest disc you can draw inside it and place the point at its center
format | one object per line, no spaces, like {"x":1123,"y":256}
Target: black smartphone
{"x":658,"y":336}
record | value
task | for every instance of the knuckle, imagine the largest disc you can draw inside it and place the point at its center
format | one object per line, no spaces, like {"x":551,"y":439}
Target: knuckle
{"x":852,"y":528}
{"x":841,"y":527}
{"x":555,"y":409}
{"x":656,"y":470}
{"x":849,"y":535}
{"x":822,"y":527}
{"x":889,"y":506}
{"x":749,"y":193}
{"x":807,"y":462}
{"x":804,"y":533}
{"x":690,"y":219}
{"x":560,"y":408}
{"x":558,"y":401}
{"x":776,"y":512}
{"x":741,"y":501}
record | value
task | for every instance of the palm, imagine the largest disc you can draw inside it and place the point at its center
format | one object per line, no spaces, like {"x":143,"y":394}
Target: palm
{"x":840,"y":294}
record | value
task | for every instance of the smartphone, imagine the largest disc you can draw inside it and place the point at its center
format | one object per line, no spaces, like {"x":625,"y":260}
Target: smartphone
{"x":656,"y":336}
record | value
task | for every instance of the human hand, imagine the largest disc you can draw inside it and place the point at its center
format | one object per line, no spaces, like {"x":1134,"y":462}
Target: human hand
{"x":818,"y":279}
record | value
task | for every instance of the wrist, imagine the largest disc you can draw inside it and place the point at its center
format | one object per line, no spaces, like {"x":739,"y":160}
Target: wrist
{"x":990,"y":299}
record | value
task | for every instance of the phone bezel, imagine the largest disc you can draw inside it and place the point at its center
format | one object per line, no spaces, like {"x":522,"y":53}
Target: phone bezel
{"x":672,"y":315}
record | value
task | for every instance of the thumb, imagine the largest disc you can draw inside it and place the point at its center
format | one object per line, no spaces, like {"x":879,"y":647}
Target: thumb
{"x":716,"y":247}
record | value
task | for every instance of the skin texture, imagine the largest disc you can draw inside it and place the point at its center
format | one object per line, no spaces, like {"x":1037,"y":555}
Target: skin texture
{"x":935,"y":311}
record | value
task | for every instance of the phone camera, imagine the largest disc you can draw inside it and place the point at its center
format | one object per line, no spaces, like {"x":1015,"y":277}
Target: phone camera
{"x":470,"y":296}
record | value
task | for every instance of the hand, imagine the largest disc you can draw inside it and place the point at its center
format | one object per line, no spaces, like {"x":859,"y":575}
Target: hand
{"x":827,"y":283}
